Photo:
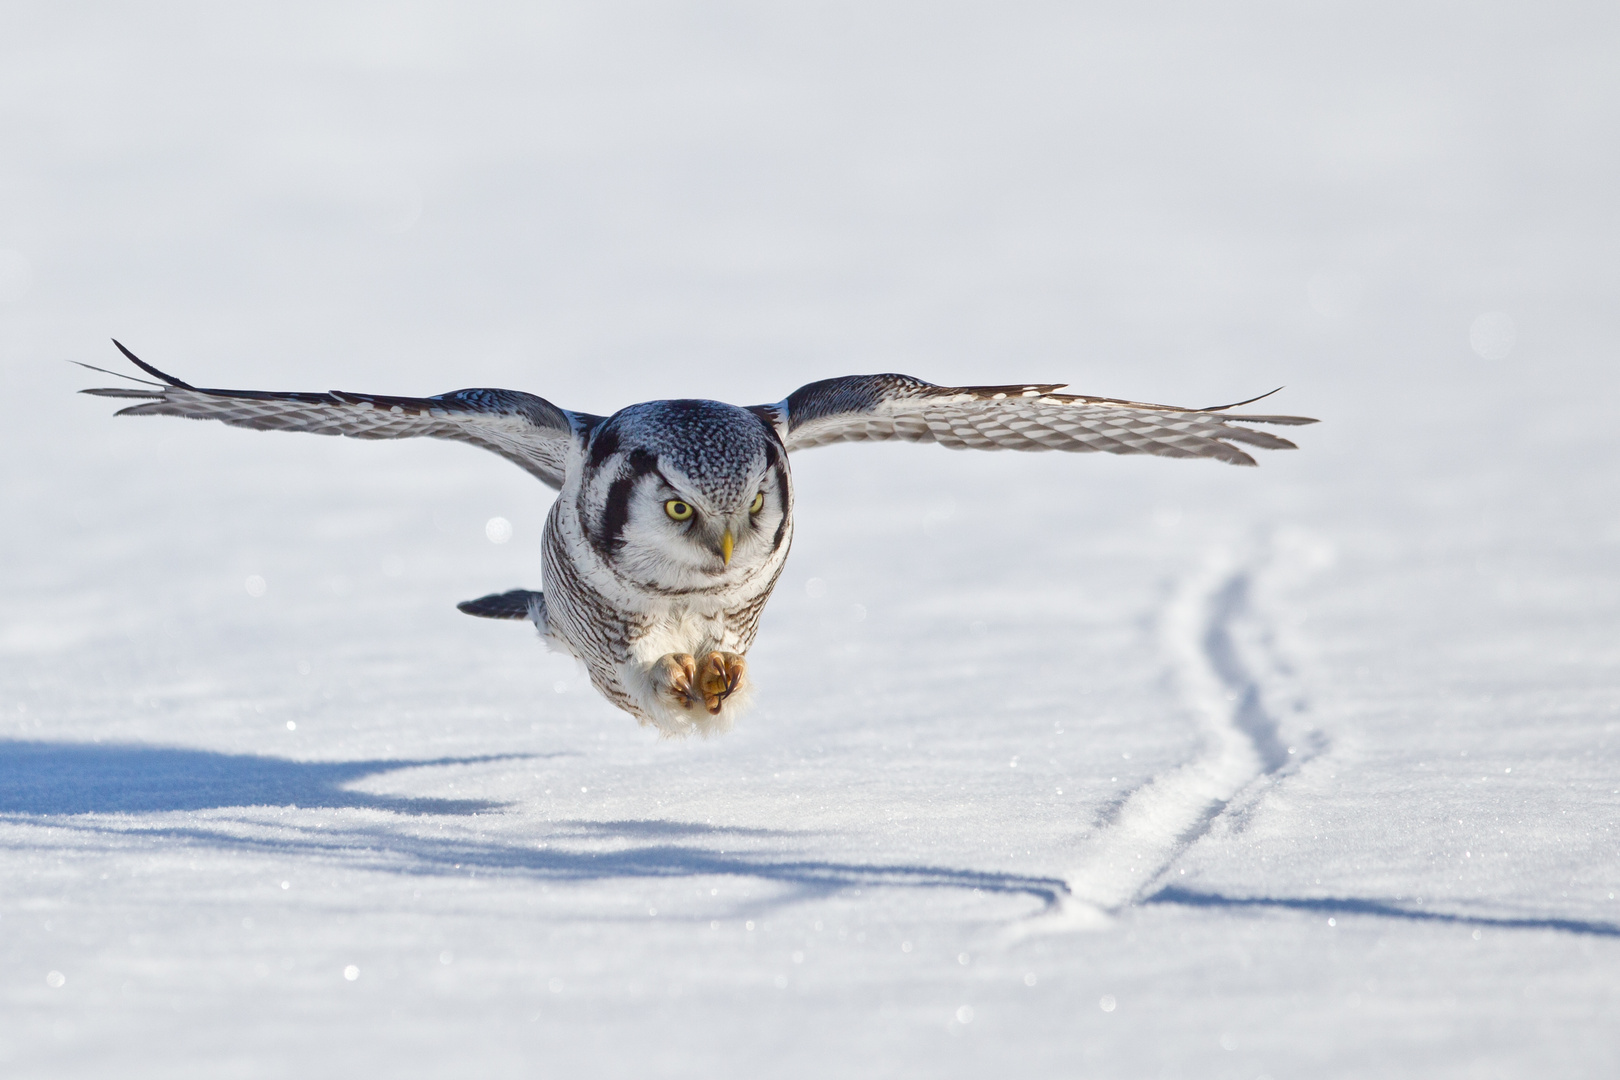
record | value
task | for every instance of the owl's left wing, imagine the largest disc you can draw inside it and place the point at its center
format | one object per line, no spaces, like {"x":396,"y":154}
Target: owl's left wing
{"x":526,"y":430}
{"x":858,"y":408}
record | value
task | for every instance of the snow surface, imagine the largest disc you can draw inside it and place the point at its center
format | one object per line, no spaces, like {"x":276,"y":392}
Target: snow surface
{"x":1061,"y":766}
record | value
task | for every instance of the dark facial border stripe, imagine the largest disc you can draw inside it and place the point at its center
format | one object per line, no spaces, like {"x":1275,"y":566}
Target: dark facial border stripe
{"x":616,"y":511}
{"x":780,"y":468}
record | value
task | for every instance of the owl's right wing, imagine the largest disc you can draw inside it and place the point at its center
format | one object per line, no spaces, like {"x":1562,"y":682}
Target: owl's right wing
{"x":857,"y":408}
{"x":527,"y":430}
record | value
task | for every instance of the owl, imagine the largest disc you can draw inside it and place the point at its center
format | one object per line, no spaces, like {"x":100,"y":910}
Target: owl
{"x":673,"y":518}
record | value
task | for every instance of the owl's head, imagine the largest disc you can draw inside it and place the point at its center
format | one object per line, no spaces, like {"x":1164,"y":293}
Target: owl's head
{"x":686,"y":495}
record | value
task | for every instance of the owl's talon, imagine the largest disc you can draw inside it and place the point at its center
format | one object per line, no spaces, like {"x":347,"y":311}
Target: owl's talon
{"x":674,"y":674}
{"x":722,"y":674}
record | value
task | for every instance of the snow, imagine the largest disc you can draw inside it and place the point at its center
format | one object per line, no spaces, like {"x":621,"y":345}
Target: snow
{"x":1059,"y":765}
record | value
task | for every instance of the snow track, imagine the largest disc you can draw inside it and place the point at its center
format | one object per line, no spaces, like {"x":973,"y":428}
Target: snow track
{"x":1210,"y":631}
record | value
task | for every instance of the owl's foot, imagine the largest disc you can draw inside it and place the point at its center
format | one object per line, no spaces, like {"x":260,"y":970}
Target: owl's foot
{"x":673,"y":675}
{"x":719,"y":676}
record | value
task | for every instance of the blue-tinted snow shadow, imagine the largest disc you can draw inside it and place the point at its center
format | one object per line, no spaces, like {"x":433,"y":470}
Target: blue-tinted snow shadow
{"x":648,"y":828}
{"x":60,"y":779}
{"x":128,"y":778}
{"x":395,"y":851}
{"x":805,"y":877}
{"x":1336,"y":905}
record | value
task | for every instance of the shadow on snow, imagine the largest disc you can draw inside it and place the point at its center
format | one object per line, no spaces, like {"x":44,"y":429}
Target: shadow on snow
{"x":1349,"y":905}
{"x":126,"y":778}
{"x":391,"y":851}
{"x":39,"y":778}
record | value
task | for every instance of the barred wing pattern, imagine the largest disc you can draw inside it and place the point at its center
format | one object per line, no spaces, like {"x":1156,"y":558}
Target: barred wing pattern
{"x":858,"y":408}
{"x":527,"y":430}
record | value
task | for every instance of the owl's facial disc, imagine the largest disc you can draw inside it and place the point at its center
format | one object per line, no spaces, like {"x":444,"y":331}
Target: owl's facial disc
{"x":688,"y":495}
{"x":677,"y":532}
{"x":706,"y":520}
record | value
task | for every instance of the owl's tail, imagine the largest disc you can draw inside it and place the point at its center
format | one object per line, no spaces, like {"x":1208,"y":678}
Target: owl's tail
{"x":523,"y":604}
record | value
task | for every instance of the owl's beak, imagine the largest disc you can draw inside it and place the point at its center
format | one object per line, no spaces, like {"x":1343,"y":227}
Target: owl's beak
{"x":726,"y":544}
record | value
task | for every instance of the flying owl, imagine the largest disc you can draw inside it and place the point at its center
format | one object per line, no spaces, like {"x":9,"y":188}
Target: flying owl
{"x":674,"y":518}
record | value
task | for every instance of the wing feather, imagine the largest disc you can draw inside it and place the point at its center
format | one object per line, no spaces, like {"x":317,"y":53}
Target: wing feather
{"x":527,"y":430}
{"x":1029,"y":417}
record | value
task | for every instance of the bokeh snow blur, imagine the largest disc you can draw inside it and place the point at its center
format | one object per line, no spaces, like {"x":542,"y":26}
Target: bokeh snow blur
{"x":1059,"y":765}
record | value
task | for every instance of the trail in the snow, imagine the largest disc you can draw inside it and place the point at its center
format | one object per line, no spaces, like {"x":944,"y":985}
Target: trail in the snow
{"x":1203,"y":632}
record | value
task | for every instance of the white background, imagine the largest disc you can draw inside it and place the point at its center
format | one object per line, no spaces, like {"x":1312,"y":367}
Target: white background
{"x":1059,"y":766}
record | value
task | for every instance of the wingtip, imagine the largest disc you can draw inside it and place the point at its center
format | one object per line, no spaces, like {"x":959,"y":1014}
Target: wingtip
{"x":1240,"y":404}
{"x":114,"y":374}
{"x":1286,"y":421}
{"x":124,"y":392}
{"x":149,"y":369}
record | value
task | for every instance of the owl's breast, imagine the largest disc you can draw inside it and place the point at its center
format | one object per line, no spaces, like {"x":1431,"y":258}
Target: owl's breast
{"x":599,"y":611}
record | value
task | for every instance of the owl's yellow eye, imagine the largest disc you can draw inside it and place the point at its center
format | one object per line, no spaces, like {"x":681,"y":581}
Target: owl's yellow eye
{"x":678,"y":510}
{"x":758,"y":504}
